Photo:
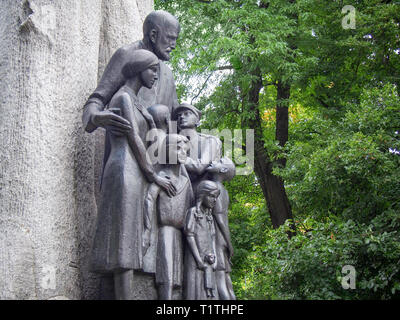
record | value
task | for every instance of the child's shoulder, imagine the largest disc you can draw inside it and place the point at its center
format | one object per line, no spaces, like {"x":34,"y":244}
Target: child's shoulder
{"x":192,"y":210}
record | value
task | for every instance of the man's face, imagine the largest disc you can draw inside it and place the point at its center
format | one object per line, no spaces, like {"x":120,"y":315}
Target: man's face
{"x":187,"y":119}
{"x":165,"y":41}
{"x":149,"y":76}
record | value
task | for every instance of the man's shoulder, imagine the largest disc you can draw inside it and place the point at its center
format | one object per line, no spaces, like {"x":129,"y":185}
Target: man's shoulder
{"x":130,"y":47}
{"x":133,"y":45}
{"x":165,"y":69}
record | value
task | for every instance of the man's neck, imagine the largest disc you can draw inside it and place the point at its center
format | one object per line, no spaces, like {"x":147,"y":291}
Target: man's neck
{"x":188,"y":131}
{"x":147,"y":44}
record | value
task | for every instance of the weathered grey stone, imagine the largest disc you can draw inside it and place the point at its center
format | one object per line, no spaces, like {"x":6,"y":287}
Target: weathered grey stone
{"x":51,"y":56}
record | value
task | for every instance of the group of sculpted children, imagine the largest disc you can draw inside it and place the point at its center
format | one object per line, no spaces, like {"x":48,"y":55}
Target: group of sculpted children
{"x":193,"y":248}
{"x":193,"y":242}
{"x":201,"y":258}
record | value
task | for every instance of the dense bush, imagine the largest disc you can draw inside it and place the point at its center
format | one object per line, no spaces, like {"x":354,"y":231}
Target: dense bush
{"x":343,"y":182}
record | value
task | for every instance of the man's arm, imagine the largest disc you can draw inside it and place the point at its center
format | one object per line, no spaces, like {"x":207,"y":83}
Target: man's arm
{"x":94,"y":115}
{"x":210,"y":151}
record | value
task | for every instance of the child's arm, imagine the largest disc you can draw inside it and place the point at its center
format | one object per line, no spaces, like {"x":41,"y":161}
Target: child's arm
{"x":190,"y":234}
{"x":210,"y":151}
{"x":195,"y":251}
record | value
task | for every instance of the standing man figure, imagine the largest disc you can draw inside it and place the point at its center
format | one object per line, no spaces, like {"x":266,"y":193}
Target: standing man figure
{"x":160,"y":32}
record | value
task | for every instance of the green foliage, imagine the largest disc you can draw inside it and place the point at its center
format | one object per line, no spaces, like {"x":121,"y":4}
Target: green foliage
{"x":345,"y":167}
{"x":309,"y":265}
{"x":344,"y":188}
{"x":342,"y":172}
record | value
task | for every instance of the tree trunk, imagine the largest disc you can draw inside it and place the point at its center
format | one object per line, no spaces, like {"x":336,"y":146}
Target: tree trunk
{"x":271,"y":185}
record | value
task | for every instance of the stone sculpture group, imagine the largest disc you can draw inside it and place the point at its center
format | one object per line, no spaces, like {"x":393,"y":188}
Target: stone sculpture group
{"x":163,"y":207}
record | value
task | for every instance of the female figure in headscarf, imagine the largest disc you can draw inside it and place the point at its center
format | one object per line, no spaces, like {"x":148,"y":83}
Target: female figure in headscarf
{"x":118,"y":241}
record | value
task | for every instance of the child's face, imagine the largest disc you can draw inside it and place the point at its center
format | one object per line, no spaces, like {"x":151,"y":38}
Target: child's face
{"x":210,"y":199}
{"x":187,"y":119}
{"x":181,"y":152}
{"x":178,"y":153}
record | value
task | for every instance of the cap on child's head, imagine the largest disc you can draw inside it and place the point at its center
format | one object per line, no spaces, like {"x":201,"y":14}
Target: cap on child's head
{"x":185,"y":106}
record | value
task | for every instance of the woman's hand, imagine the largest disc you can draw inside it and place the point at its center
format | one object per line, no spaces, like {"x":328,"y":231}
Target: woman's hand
{"x":166,"y":184}
{"x":201,"y":265}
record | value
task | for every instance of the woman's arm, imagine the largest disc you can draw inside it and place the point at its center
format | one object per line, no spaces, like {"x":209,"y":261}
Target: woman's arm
{"x":136,"y":143}
{"x":149,"y":201}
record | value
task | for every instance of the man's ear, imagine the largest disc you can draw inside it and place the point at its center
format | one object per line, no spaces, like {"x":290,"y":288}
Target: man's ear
{"x":153,"y":35}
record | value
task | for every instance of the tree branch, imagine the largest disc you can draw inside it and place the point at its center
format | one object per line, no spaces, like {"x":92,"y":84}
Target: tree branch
{"x":202,"y":88}
{"x":225,"y":68}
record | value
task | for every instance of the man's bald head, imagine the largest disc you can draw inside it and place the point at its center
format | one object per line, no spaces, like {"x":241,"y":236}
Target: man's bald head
{"x":160,"y":32}
{"x":158,"y":20}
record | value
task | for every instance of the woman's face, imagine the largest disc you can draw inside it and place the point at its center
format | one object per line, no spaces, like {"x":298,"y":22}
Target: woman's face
{"x":149,"y":76}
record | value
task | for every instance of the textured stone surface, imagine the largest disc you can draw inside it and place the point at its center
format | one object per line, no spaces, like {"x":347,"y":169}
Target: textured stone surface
{"x":50,"y":59}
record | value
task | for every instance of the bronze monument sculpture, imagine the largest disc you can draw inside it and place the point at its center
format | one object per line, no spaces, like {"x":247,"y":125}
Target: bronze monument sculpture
{"x":163,"y":208}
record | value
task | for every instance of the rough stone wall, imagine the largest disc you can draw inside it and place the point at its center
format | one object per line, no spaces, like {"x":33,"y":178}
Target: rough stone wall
{"x":51,"y":54}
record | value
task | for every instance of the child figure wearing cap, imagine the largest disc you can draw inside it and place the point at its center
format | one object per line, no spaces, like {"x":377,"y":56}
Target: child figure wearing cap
{"x":170,"y":215}
{"x":204,"y":148}
{"x":220,"y":171}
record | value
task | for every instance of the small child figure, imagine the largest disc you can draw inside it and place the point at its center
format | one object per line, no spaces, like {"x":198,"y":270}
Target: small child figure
{"x":219,"y":171}
{"x":209,"y":276}
{"x":156,"y":136}
{"x":171,"y":214}
{"x":200,"y":254}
